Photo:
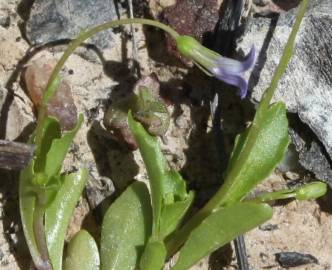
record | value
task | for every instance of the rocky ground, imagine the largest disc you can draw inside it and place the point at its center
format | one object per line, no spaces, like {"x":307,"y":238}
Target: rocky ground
{"x":96,"y":77}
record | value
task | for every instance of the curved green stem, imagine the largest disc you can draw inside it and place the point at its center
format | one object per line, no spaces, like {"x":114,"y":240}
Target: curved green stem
{"x":88,"y":33}
{"x":273,"y":196}
{"x":286,"y":56}
{"x":50,"y":88}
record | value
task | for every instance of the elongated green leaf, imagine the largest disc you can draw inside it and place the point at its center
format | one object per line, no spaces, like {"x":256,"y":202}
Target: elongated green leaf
{"x":154,"y":256}
{"x":126,"y":229}
{"x":168,"y":189}
{"x":51,"y":130}
{"x":172,"y":215}
{"x":53,"y":149}
{"x":252,"y":161}
{"x":58,"y":214}
{"x":156,"y":167}
{"x":27,"y":208}
{"x":59,"y":149}
{"x":82,"y":253}
{"x":220,"y":228}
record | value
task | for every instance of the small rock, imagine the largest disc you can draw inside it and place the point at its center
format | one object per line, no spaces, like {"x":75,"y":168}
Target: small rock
{"x":268,"y":227}
{"x":264,"y":257}
{"x":61,"y":105}
{"x":292,"y":175}
{"x":4,"y":21}
{"x":194,"y":18}
{"x":293,"y":259}
{"x":52,"y":20}
{"x":156,"y":6}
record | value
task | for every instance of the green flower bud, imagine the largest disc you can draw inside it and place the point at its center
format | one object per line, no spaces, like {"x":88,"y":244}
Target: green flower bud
{"x":311,"y":191}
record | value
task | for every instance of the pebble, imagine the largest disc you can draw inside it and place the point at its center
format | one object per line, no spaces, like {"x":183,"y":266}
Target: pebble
{"x":4,"y":21}
{"x":268,"y":227}
{"x":293,"y":259}
{"x":292,"y":175}
{"x":61,"y":105}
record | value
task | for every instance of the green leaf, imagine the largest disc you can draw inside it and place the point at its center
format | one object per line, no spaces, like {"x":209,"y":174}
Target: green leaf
{"x":172,"y":215}
{"x":58,"y":214}
{"x":154,"y":256}
{"x":59,"y":149}
{"x":27,"y":201}
{"x":256,"y":154}
{"x":156,"y":167}
{"x":51,"y":130}
{"x":82,"y":253}
{"x":167,"y":186}
{"x":53,"y":149}
{"x":174,"y":187}
{"x":220,"y":228}
{"x":126,"y":229}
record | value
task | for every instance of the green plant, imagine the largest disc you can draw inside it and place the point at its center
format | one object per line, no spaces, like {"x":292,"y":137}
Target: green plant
{"x":144,"y":227}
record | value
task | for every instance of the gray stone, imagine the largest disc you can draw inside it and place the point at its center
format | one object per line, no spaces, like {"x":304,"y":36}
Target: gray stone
{"x":269,"y":227}
{"x":4,"y":21}
{"x":53,"y":20}
{"x":306,"y":87}
{"x":293,"y":259}
{"x":311,"y":155}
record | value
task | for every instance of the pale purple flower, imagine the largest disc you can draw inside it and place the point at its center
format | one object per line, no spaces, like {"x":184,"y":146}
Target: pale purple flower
{"x":232,"y":71}
{"x":226,"y":69}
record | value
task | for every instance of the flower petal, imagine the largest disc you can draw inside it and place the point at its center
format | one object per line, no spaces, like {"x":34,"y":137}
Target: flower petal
{"x":231,"y":66}
{"x":235,"y":80}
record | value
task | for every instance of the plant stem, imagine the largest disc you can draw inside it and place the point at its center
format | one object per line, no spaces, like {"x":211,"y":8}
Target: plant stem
{"x":50,"y":88}
{"x":40,"y":236}
{"x":88,"y":33}
{"x":286,"y":56}
{"x":223,"y":195}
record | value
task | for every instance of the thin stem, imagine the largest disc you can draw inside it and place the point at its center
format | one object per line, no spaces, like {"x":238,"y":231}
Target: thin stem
{"x":40,"y":236}
{"x":223,"y":195}
{"x":273,"y":196}
{"x":88,"y":33}
{"x":286,"y":56}
{"x":50,"y":89}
